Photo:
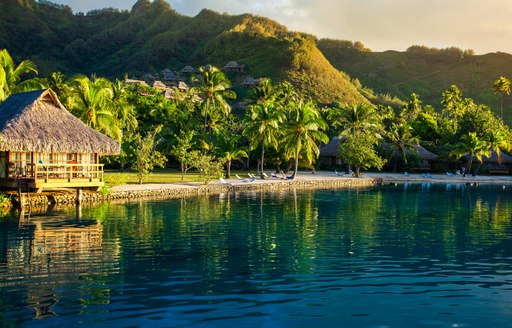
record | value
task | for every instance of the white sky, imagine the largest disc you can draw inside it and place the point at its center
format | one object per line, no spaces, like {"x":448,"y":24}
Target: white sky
{"x":484,"y":26}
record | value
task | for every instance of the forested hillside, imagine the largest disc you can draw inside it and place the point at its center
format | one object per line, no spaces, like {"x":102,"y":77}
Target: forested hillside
{"x":425,"y":71}
{"x":153,"y":36}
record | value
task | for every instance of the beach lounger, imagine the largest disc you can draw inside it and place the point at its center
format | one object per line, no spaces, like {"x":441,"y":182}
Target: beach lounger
{"x":339,"y":174}
{"x":450,"y":174}
{"x":406,"y":174}
{"x":225,"y":182}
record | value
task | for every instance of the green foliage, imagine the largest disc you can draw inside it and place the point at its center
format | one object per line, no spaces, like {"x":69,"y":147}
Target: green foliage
{"x":10,"y":76}
{"x":358,"y":150}
{"x":209,"y":168}
{"x":470,"y":144}
{"x":303,"y":131}
{"x":116,"y":180}
{"x":5,"y":200}
{"x":146,"y":157}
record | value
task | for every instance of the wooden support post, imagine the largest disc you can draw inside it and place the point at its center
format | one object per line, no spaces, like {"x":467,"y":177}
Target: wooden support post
{"x":79,"y":195}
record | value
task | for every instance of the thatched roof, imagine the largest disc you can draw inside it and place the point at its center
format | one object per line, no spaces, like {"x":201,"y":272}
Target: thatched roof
{"x":188,"y":70}
{"x":36,"y":121}
{"x":425,"y":154}
{"x":332,"y":148}
{"x":506,"y":159}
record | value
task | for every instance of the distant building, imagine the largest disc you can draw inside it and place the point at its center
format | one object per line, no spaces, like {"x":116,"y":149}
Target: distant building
{"x":188,"y":70}
{"x":233,"y":66}
{"x":135,"y":81}
{"x":250,"y":82}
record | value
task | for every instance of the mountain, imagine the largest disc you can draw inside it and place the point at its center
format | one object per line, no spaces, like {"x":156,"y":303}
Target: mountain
{"x":153,"y":36}
{"x":425,"y":71}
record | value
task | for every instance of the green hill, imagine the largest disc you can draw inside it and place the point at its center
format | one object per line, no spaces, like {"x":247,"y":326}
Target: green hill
{"x":153,"y":36}
{"x":427,"y":72}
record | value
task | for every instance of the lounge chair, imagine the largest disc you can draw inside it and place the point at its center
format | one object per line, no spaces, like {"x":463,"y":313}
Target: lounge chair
{"x":225,"y":182}
{"x":274,"y":176}
{"x":429,"y":176}
{"x":249,"y":180}
{"x":251,"y":175}
{"x":238,"y":177}
{"x":339,"y":174}
{"x":450,"y":174}
{"x":406,"y":174}
{"x":265,"y":175}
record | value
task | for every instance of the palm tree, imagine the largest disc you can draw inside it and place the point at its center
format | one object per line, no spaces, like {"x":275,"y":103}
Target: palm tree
{"x":212,"y":86}
{"x":303,"y":131}
{"x":57,"y":82}
{"x":498,"y":142}
{"x":10,"y":76}
{"x":471,"y":145}
{"x":412,"y":108}
{"x":121,"y":107}
{"x":229,"y":150}
{"x":401,"y":141}
{"x":502,"y":87}
{"x":355,"y":118}
{"x":89,"y":99}
{"x":451,"y":99}
{"x":262,"y":126}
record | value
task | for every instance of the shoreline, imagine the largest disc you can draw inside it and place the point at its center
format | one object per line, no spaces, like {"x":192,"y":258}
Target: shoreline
{"x":303,"y":181}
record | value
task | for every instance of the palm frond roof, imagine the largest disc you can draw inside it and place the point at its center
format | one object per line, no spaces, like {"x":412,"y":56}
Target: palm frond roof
{"x":36,"y":121}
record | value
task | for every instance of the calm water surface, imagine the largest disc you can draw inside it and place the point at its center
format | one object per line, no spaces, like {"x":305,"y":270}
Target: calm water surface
{"x":392,"y":256}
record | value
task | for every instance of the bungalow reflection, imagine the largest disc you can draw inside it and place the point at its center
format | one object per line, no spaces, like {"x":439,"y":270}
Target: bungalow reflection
{"x":49,"y":251}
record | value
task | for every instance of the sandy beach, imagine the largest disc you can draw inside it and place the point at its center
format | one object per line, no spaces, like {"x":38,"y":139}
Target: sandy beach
{"x":383,"y":177}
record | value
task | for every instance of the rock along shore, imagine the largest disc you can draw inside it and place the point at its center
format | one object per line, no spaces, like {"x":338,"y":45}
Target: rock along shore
{"x":179,"y":190}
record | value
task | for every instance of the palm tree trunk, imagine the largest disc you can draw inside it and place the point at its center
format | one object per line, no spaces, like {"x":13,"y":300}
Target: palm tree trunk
{"x":501,"y":100}
{"x":470,"y":162}
{"x":206,"y":116}
{"x":296,"y":161}
{"x":228,"y":169}
{"x":357,"y":170}
{"x":262,"y":157}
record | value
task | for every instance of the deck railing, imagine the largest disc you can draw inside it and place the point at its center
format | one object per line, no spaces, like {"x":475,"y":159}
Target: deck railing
{"x":69,"y":171}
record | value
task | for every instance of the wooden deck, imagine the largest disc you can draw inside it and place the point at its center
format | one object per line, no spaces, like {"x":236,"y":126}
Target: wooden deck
{"x":39,"y":177}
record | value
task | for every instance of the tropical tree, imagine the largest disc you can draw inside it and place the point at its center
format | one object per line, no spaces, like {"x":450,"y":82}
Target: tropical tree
{"x":121,"y":107}
{"x":90,"y":100}
{"x":229,"y":149}
{"x":472,"y":146}
{"x":212,"y":86}
{"x":358,"y":150}
{"x":57,"y":82}
{"x":412,"y":108}
{"x":502,"y":87}
{"x":401,"y":141}
{"x":262,"y":126}
{"x":497,"y":142}
{"x":10,"y":76}
{"x":450,"y":101}
{"x":356,"y":118}
{"x":146,"y":155}
{"x":303,"y":132}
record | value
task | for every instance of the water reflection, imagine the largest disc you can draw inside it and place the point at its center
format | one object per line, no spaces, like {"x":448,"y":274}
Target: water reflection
{"x":219,"y":260}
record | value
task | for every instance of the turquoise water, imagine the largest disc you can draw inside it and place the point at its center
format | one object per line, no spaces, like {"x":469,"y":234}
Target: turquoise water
{"x":391,"y":256}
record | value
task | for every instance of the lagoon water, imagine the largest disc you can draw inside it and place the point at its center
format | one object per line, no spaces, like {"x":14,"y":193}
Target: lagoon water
{"x":418,"y":255}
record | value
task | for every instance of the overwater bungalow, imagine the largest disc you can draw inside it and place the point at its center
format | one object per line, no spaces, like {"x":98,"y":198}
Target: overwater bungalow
{"x":43,"y":146}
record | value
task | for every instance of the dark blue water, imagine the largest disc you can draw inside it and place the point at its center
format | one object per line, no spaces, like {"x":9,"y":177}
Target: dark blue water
{"x":392,"y":256}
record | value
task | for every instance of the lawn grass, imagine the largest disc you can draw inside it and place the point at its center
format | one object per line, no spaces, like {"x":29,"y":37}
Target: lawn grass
{"x":115,"y":177}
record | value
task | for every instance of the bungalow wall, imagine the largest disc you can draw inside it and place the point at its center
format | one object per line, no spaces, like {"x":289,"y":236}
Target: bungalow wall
{"x":50,"y":170}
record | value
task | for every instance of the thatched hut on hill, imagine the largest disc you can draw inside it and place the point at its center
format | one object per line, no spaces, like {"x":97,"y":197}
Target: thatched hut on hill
{"x":46,"y":147}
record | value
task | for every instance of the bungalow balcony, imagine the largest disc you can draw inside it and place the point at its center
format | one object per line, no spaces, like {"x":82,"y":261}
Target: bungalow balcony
{"x":38,"y":177}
